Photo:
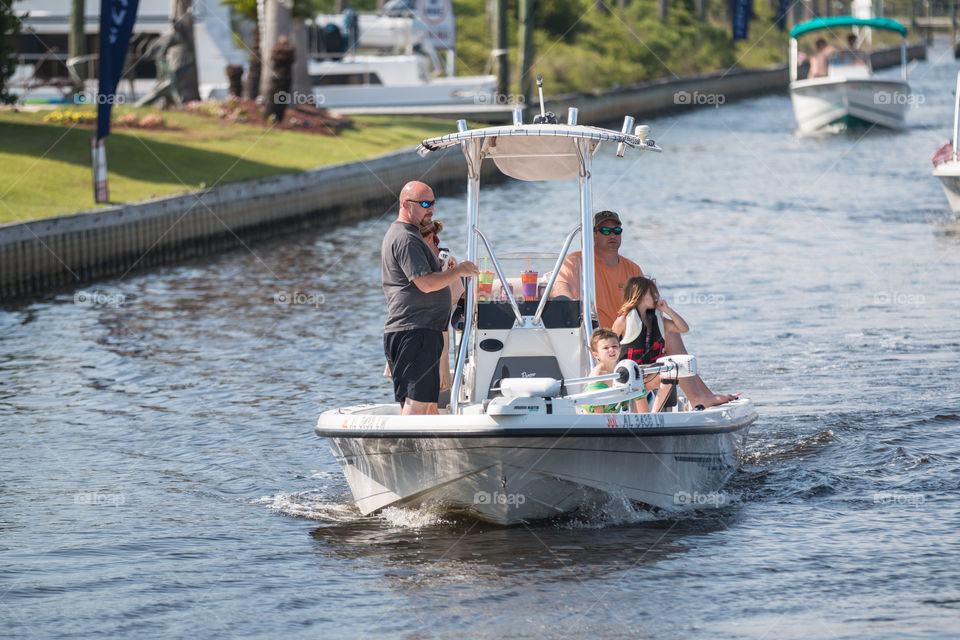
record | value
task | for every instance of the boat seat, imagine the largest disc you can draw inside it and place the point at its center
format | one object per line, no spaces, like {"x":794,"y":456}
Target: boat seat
{"x":524,"y":367}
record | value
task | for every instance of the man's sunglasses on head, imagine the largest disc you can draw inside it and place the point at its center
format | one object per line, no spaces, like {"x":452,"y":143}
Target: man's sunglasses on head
{"x":608,"y":230}
{"x":426,"y":204}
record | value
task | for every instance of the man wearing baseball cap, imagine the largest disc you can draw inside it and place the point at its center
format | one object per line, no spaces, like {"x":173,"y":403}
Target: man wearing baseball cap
{"x":611,"y":272}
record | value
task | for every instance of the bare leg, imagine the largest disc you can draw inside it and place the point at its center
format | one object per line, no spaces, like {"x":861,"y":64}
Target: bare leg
{"x":662,"y":395}
{"x":415,"y":407}
{"x":697,"y":392}
{"x":641,"y":406}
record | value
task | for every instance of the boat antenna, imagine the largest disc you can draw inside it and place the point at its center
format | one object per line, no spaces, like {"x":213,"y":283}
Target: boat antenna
{"x":543,"y":113}
{"x":545,"y":117}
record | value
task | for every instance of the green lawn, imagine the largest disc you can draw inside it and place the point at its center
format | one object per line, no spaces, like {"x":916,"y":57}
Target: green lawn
{"x":45,"y":168}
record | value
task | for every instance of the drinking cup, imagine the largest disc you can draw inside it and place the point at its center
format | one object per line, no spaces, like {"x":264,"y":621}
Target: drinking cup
{"x":485,"y":285}
{"x":529,"y":281}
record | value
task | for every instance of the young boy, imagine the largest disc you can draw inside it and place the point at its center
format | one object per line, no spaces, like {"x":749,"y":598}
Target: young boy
{"x":605,"y":345}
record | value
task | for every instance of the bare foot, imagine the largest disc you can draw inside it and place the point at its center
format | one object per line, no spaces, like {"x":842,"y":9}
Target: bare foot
{"x":713,"y":400}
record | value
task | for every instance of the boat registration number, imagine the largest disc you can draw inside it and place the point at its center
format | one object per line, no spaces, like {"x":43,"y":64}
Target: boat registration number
{"x":635,"y":420}
{"x":365,"y":423}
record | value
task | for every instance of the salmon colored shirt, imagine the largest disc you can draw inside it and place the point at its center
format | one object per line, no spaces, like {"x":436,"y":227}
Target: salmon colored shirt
{"x":608,"y":282}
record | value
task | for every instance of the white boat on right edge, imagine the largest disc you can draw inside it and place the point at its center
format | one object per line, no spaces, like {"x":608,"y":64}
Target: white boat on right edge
{"x":849,"y":95}
{"x":946,"y":161}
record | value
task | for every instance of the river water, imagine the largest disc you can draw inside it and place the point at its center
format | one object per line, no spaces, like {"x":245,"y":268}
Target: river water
{"x":160,"y":476}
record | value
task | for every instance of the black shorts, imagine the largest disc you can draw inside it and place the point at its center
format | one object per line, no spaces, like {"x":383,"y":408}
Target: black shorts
{"x":414,"y":359}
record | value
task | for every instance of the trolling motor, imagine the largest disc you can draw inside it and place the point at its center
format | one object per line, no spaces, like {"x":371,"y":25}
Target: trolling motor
{"x":544,"y":117}
{"x":521,"y":396}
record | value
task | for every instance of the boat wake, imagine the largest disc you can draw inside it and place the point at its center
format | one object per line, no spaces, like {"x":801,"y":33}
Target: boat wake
{"x":799,"y":447}
{"x":615,"y":511}
{"x":317,"y":504}
{"x":314,"y":504}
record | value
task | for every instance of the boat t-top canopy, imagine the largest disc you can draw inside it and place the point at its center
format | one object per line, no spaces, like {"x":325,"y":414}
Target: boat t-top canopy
{"x":537,"y":151}
{"x":543,"y":150}
{"x":847,"y":21}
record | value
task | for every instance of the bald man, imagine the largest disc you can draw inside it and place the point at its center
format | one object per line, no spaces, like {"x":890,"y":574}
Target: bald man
{"x":418,"y":302}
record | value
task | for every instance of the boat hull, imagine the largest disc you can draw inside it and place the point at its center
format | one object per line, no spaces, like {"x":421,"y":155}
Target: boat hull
{"x":949,"y":175}
{"x":822,"y":103}
{"x":519,"y":469}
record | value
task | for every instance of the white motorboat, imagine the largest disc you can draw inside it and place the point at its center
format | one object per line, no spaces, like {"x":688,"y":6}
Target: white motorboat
{"x":946,"y":160}
{"x":515,"y":444}
{"x":390,"y":65}
{"x":368,"y":83}
{"x":849,"y":95}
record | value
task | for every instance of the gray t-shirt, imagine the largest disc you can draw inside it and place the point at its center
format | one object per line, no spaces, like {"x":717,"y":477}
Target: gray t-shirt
{"x":404,"y":257}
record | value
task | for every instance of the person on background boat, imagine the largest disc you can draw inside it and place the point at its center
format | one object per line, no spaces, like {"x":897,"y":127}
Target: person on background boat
{"x":417,"y":289}
{"x":611,"y":273}
{"x":818,"y":61}
{"x":605,"y":346}
{"x":641,"y":326}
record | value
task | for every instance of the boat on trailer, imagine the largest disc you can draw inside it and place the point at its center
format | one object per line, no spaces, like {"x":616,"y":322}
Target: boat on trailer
{"x":850,"y":95}
{"x":515,"y":444}
{"x":946,"y":160}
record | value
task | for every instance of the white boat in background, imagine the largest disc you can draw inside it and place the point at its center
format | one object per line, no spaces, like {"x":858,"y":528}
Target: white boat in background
{"x":946,"y":160}
{"x":849,"y":95}
{"x":514,"y":445}
{"x":390,"y":65}
{"x":393,"y":65}
{"x":45,"y":73}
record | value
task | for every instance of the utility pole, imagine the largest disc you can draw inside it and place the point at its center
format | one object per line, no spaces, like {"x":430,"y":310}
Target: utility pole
{"x":78,"y":42}
{"x":663,"y":8}
{"x":526,"y":54}
{"x":501,"y":61}
{"x":702,"y":10}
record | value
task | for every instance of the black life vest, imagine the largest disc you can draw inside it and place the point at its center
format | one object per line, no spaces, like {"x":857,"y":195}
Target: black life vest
{"x":643,"y":340}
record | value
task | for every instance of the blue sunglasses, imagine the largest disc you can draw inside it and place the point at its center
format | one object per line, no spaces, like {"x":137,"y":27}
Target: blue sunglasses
{"x":608,"y":230}
{"x":426,"y":204}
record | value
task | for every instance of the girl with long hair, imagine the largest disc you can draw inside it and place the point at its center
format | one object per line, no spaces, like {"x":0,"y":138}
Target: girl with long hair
{"x":642,"y":326}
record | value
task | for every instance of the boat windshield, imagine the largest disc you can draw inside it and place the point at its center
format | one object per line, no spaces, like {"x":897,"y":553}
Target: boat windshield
{"x":850,"y":63}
